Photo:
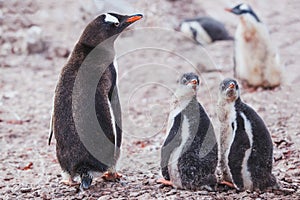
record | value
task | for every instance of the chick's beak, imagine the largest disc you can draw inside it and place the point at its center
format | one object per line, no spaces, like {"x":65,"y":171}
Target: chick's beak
{"x":194,"y":82}
{"x":134,"y":18}
{"x":231,"y":85}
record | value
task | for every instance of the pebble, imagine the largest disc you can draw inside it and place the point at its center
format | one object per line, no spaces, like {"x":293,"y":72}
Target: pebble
{"x":173,"y":191}
{"x":34,"y":41}
{"x":25,"y":190}
{"x":105,"y":197}
{"x":134,"y":194}
{"x":61,"y":52}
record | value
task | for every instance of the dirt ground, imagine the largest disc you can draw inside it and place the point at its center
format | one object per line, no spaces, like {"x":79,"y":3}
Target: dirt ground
{"x":36,"y":38}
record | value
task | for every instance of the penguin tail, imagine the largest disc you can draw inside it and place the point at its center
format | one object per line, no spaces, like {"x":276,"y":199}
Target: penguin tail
{"x":86,"y":180}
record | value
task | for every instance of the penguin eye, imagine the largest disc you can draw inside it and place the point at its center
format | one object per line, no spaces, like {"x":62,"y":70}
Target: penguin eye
{"x":116,"y":24}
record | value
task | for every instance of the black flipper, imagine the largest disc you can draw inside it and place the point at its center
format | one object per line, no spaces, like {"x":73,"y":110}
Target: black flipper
{"x":172,"y":141}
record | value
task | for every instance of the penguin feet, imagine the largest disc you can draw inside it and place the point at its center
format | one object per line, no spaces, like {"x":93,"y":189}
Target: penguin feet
{"x":164,"y":182}
{"x":69,"y":182}
{"x":229,"y":184}
{"x":111,"y":176}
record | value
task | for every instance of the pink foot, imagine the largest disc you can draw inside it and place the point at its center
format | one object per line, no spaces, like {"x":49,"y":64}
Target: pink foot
{"x":229,"y":184}
{"x":69,"y":182}
{"x":164,"y":182}
{"x":111,"y":176}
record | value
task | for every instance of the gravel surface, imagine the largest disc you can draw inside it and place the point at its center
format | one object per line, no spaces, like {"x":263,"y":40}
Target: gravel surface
{"x":36,"y":38}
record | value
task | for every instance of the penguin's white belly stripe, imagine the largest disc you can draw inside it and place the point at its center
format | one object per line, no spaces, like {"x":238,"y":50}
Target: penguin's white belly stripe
{"x":113,"y":122}
{"x":185,"y":28}
{"x":173,"y":114}
{"x":174,"y":157}
{"x":115,"y":63}
{"x":245,"y":172}
{"x":170,"y":125}
{"x":202,"y":35}
{"x":228,"y":150}
{"x":231,"y":136}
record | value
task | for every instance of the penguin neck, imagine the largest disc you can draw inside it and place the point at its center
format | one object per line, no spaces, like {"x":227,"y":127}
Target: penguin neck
{"x":250,"y":17}
{"x":254,"y":16}
{"x":82,"y":50}
{"x":100,"y":56}
{"x":238,"y":102}
{"x":183,"y":96}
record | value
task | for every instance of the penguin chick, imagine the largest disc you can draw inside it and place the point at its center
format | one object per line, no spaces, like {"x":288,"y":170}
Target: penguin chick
{"x":204,"y":30}
{"x":86,"y":119}
{"x":189,"y":153}
{"x":246,"y":150}
{"x":257,"y":61}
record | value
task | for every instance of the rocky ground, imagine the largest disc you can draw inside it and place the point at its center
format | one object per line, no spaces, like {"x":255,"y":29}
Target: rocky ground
{"x":36,"y":38}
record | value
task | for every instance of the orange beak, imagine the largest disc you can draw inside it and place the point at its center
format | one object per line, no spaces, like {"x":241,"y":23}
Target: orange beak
{"x":134,"y":18}
{"x":228,"y":9}
{"x":231,"y":85}
{"x":195,"y":82}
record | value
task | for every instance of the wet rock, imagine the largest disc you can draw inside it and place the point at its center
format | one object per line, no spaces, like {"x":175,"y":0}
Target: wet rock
{"x":135,"y":194}
{"x":105,"y":197}
{"x":173,"y":191}
{"x":25,"y":190}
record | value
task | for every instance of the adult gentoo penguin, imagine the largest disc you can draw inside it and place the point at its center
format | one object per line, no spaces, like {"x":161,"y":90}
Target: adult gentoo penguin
{"x":257,"y":61}
{"x":86,"y":119}
{"x":189,"y":153}
{"x":204,"y":30}
{"x":246,"y":150}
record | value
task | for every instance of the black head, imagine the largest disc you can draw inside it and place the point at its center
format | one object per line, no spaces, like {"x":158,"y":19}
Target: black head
{"x":242,"y":9}
{"x":189,"y":80}
{"x":105,"y":26}
{"x":229,"y":89}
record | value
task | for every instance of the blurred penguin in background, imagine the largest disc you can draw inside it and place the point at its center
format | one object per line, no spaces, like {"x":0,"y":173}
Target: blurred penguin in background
{"x":257,"y":61}
{"x":204,"y":30}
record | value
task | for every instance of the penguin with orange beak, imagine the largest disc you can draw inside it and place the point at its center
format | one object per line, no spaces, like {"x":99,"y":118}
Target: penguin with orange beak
{"x":246,"y":149}
{"x":257,"y":62}
{"x":86,"y":118}
{"x":189,"y":152}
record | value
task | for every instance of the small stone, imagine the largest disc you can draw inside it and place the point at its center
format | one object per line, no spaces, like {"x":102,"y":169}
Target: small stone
{"x":134,"y":194}
{"x":8,"y":178}
{"x":34,"y":41}
{"x":25,"y":190}
{"x":173,"y":191}
{"x":106,"y":197}
{"x":115,"y":195}
{"x":61,"y":52}
{"x":36,"y":194}
{"x":145,"y":182}
{"x":145,"y":196}
{"x":287,"y":191}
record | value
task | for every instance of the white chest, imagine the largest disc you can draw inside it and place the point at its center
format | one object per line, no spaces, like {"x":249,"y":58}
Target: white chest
{"x":174,"y":157}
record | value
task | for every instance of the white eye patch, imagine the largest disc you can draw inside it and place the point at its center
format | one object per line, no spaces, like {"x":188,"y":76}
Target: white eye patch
{"x":110,"y":18}
{"x":244,"y":7}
